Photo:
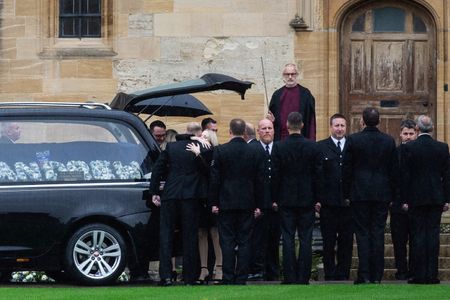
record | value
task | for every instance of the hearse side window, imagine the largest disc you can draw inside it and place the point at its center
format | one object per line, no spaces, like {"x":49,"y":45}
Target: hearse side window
{"x":70,"y":150}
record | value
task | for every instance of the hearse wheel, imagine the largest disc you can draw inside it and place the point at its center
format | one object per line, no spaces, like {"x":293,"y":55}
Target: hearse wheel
{"x":96,"y":255}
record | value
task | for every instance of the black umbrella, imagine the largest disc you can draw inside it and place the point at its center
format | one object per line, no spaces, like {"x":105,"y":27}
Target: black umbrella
{"x":208,"y":82}
{"x":178,"y":105}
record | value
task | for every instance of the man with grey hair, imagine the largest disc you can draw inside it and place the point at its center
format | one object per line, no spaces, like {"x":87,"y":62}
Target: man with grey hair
{"x":425,"y":194}
{"x":10,"y":133}
{"x":292,"y":97}
{"x":194,"y":128}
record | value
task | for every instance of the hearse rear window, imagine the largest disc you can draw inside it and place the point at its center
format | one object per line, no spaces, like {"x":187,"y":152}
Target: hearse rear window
{"x":70,"y":150}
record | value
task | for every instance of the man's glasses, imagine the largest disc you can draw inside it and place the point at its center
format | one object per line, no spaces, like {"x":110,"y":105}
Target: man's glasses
{"x":290,"y":74}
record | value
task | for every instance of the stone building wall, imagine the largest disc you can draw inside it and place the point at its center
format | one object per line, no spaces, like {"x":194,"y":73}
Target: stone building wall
{"x":152,"y":42}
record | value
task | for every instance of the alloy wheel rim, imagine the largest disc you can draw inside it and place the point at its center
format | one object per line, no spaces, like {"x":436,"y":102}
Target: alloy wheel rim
{"x":97,"y":254}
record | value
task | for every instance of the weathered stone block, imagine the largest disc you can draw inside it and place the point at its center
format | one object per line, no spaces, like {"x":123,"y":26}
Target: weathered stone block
{"x":26,"y":68}
{"x":22,"y":85}
{"x":140,"y":25}
{"x":172,"y":24}
{"x":68,"y":68}
{"x":204,"y":6}
{"x":243,"y":24}
{"x":158,"y":6}
{"x":276,"y":24}
{"x":8,"y":48}
{"x":26,"y":7}
{"x":95,"y":68}
{"x":12,"y":27}
{"x":138,"y":48}
{"x":27,"y":48}
{"x":207,"y":24}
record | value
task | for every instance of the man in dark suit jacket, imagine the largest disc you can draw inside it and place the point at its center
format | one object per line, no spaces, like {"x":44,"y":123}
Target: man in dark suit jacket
{"x":234,"y":194}
{"x":266,"y":233}
{"x":425,"y":193}
{"x":399,"y":220}
{"x":294,"y":191}
{"x":370,"y":185}
{"x":335,"y":214}
{"x":185,"y":185}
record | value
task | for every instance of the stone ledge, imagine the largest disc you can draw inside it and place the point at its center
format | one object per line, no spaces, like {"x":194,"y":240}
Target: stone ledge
{"x":70,"y":53}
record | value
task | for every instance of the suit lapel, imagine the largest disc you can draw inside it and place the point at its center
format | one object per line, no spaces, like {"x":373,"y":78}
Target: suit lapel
{"x":332,"y":145}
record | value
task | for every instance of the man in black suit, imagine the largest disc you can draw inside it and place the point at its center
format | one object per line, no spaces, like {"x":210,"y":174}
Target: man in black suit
{"x":400,"y":225}
{"x":370,"y":185}
{"x":294,"y":188}
{"x":234,"y":194}
{"x":266,"y":233}
{"x":185,"y":185}
{"x":425,"y":194}
{"x":335,"y":214}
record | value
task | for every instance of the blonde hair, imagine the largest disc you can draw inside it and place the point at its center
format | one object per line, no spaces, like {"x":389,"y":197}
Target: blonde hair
{"x":211,"y":137}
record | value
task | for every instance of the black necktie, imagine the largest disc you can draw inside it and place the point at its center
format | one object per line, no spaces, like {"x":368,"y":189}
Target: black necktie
{"x":339,"y":146}
{"x":267,"y":150}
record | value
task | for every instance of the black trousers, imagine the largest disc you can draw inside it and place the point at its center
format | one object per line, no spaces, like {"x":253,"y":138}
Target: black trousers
{"x":370,"y":221}
{"x":400,"y":232}
{"x":266,"y":245}
{"x":235,"y":229}
{"x":188,"y":211}
{"x":425,"y":228}
{"x":336,"y":225}
{"x":300,"y":220}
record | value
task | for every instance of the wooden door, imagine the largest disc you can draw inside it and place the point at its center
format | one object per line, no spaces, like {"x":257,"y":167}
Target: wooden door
{"x":388,"y":61}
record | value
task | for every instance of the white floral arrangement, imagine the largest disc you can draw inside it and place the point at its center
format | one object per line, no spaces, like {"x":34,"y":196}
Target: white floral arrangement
{"x":48,"y":170}
{"x":6,"y":174}
{"x":132,"y":171}
{"x":39,"y":276}
{"x":30,"y":276}
{"x":101,"y":169}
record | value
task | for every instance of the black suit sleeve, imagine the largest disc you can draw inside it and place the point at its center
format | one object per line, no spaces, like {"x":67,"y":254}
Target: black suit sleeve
{"x":275,"y":184}
{"x":446,"y":177}
{"x":347,"y":170}
{"x":215,"y":179}
{"x":159,"y":170}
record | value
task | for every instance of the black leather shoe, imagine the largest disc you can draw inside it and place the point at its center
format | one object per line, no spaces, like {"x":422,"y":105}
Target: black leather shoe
{"x":361,"y":281}
{"x":256,"y":276}
{"x":401,"y":276}
{"x":166,"y":282}
{"x":417,"y":281}
{"x":433,"y":281}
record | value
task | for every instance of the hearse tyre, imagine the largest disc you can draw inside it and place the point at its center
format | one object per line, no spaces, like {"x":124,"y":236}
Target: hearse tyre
{"x":96,"y":255}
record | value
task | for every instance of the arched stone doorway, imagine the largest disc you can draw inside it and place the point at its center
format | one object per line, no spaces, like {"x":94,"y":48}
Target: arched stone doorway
{"x":387,"y":60}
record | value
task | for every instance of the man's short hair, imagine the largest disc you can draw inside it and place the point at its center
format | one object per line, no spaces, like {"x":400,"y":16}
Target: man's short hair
{"x":237,"y":127}
{"x":425,"y":124}
{"x":193,"y":128}
{"x":295,"y":120}
{"x":207,"y":121}
{"x":371,"y":116}
{"x":157,"y":123}
{"x":250,"y":130}
{"x":408,"y":123}
{"x":337,"y":116}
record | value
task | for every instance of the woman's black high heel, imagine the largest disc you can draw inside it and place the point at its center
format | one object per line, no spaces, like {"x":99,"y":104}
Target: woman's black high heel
{"x":205,"y":279}
{"x":174,"y":276}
